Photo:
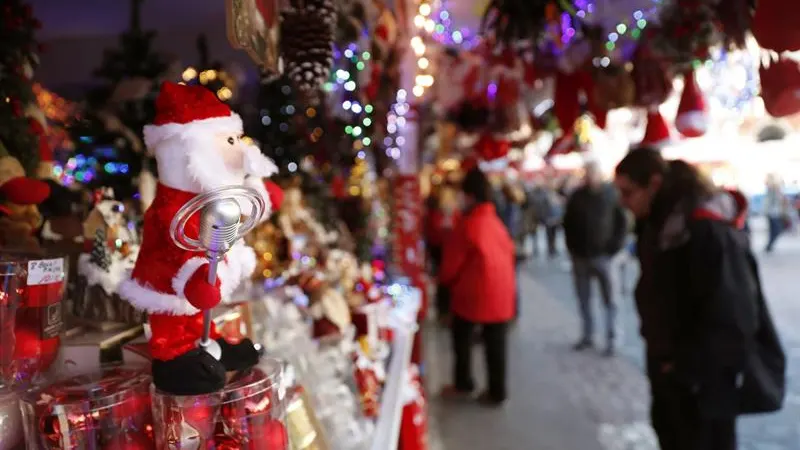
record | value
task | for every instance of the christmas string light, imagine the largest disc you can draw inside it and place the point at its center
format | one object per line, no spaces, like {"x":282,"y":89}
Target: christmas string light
{"x":631,"y":27}
{"x":445,"y":34}
{"x":218,"y":81}
{"x":395,"y":121}
{"x":352,"y":61}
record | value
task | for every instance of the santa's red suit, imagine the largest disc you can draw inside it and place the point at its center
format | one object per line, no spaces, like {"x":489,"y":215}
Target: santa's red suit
{"x":196,"y":141}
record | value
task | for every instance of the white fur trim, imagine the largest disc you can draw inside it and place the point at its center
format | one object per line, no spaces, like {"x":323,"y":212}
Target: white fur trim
{"x":147,"y":299}
{"x":185,"y":273}
{"x":257,"y":184}
{"x":155,"y":134}
{"x":692,"y":123}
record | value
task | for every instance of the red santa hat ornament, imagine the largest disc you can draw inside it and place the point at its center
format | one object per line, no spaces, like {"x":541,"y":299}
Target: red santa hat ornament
{"x":693,"y":116}
{"x":657,"y":132}
{"x":182,"y":109}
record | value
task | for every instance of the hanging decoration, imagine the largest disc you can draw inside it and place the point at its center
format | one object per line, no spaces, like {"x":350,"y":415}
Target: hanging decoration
{"x":657,"y":132}
{"x":734,"y":18}
{"x":510,"y":21}
{"x":780,"y":82}
{"x":775,"y":25}
{"x":693,"y":115}
{"x":686,"y":31}
{"x":253,"y":26}
{"x":307,"y":44}
{"x":651,"y":75}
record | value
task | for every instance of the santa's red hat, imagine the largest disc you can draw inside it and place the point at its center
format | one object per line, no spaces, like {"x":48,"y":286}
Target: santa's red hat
{"x":693,"y":118}
{"x":183,"y":110}
{"x":657,"y":133}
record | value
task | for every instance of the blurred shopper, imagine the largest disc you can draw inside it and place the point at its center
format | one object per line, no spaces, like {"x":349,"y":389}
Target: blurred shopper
{"x":478,"y":266}
{"x":552,"y":215}
{"x":509,"y":200}
{"x":776,"y":207}
{"x":595,"y":226}
{"x":712,"y":350}
{"x":537,"y":201}
{"x":443,"y":215}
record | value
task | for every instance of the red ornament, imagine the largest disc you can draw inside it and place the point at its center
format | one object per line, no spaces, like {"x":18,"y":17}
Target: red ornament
{"x":780,"y":81}
{"x":775,"y":25}
{"x":129,"y":441}
{"x":270,"y":434}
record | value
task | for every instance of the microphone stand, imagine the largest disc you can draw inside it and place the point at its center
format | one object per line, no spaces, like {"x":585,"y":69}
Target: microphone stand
{"x":213,"y":262}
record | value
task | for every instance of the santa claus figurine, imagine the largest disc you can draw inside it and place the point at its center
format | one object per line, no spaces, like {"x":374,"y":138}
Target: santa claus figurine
{"x":198,"y":147}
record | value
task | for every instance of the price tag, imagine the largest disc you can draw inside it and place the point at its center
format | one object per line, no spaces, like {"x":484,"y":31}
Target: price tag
{"x":45,"y":271}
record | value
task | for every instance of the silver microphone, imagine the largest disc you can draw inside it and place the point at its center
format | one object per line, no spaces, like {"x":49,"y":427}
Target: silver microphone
{"x":220,"y":228}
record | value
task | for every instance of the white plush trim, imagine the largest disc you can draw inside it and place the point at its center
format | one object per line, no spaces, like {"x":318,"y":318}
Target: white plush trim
{"x":185,"y":273}
{"x":692,"y":123}
{"x":146,"y":299}
{"x":155,"y":134}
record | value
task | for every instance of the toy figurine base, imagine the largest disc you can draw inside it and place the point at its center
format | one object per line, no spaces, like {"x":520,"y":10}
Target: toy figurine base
{"x":105,"y":410}
{"x":249,"y":413}
{"x":212,"y":348}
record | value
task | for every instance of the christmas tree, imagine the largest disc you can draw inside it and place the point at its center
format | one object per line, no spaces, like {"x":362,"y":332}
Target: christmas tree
{"x":18,"y":59}
{"x":292,"y":125}
{"x":100,"y":256}
{"x":109,"y":135}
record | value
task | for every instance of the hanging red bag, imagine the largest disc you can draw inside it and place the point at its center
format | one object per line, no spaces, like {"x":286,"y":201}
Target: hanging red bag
{"x":780,"y":87}
{"x":775,"y":25}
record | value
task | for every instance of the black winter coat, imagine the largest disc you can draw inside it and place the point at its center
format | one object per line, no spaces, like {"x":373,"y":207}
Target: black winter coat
{"x":595,"y":223}
{"x":698,"y":301}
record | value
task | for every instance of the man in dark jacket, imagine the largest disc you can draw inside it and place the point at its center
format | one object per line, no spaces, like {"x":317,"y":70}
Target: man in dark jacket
{"x":595,"y":226}
{"x":699,"y":302}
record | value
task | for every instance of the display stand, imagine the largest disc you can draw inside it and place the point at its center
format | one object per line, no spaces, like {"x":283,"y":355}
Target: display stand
{"x":403,"y":321}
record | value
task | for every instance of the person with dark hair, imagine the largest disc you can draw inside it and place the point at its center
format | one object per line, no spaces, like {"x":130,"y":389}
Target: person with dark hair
{"x":595,"y":226}
{"x":478,"y":267}
{"x":711,"y":349}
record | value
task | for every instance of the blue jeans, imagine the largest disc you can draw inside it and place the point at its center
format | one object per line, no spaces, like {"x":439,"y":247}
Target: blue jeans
{"x":583,"y":270}
{"x":776,"y":228}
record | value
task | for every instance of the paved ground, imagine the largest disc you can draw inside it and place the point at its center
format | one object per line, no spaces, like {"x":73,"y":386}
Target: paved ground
{"x":566,"y":401}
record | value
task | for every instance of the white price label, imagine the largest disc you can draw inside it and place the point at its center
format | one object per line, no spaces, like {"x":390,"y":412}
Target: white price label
{"x":45,"y":271}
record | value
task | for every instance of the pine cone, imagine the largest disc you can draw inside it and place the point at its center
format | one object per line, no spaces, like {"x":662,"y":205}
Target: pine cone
{"x":325,"y":8}
{"x":307,"y":47}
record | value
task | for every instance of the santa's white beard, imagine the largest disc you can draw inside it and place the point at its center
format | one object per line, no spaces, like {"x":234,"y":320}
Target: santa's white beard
{"x":208,"y":168}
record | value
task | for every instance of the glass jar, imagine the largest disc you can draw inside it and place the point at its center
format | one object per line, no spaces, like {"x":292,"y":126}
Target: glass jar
{"x":106,"y":409}
{"x":31,"y":314}
{"x":249,"y":413}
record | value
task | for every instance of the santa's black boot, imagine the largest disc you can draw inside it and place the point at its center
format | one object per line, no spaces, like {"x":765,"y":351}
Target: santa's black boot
{"x":193,"y":373}
{"x":241,"y":356}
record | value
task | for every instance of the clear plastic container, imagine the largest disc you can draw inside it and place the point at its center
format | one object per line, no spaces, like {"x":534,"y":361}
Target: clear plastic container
{"x":11,"y":436}
{"x":108,"y":409}
{"x":249,"y":413}
{"x":32,"y":291}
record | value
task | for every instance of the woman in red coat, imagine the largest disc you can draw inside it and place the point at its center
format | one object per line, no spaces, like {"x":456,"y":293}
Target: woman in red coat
{"x":478,"y":267}
{"x":443,"y":216}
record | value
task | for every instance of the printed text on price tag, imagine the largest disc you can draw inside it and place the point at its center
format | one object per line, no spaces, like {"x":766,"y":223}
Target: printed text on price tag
{"x":45,"y":271}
